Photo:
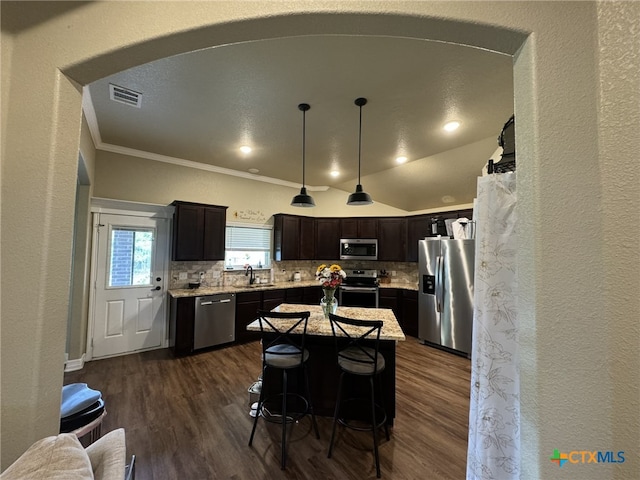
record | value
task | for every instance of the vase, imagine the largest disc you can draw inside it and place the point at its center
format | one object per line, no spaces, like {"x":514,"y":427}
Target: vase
{"x":329,"y":302}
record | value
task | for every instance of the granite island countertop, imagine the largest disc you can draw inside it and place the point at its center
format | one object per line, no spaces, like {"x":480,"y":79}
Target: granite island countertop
{"x":199,"y":292}
{"x":320,"y":326}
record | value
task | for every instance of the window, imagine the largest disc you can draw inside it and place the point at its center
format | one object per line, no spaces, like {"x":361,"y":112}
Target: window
{"x":130,"y":259}
{"x":247,"y":244}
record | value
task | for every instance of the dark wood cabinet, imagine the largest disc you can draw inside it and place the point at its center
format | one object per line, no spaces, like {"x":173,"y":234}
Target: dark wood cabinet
{"x":409,"y":312}
{"x":307,"y":244}
{"x":404,"y":304}
{"x":388,"y":298}
{"x":272,"y":298}
{"x":293,"y":237}
{"x":327,"y":239}
{"x":392,"y":239}
{"x":198,"y":231}
{"x":182,"y":313}
{"x":452,"y":215}
{"x":247,"y":306}
{"x":294,"y":295}
{"x":286,"y":237}
{"x":312,"y":295}
{"x":362,"y":227}
{"x":418,"y":227}
{"x":307,"y":238}
{"x":215,"y":223}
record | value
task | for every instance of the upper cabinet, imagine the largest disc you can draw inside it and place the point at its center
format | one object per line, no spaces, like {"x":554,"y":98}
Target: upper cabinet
{"x":308,"y":238}
{"x":327,"y":239}
{"x":421,"y":226}
{"x":363,"y":227}
{"x":293,"y":237}
{"x":452,"y":215}
{"x":392,"y":239}
{"x":418,"y":227}
{"x":198,"y":231}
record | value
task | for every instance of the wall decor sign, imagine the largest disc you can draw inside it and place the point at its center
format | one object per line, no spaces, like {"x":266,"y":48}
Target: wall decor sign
{"x":252,"y":215}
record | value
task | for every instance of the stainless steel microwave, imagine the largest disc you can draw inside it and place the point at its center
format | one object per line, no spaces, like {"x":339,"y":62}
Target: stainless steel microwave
{"x":358,"y":249}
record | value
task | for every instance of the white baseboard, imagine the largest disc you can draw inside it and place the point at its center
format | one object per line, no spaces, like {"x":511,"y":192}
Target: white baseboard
{"x":75,"y":364}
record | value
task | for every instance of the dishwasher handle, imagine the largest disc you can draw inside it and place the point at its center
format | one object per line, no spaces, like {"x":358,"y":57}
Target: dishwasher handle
{"x":225,"y":300}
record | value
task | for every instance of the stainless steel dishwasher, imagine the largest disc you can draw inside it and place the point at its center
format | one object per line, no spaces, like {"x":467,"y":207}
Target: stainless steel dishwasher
{"x":214,"y":320}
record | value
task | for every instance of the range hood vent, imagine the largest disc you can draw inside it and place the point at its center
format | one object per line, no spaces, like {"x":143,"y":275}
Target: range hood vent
{"x":124,"y":95}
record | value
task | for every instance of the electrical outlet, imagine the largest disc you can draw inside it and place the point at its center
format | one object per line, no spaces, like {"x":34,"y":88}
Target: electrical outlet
{"x":182,"y":276}
{"x":393,"y":273}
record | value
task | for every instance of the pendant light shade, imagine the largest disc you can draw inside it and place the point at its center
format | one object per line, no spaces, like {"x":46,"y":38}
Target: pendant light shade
{"x":303,"y":199}
{"x":359,"y":197}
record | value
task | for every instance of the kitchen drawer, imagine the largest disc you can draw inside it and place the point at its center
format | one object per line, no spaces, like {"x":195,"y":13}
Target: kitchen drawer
{"x":246,"y":297}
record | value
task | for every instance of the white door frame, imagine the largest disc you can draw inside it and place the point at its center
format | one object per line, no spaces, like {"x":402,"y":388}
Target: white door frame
{"x":121,"y":207}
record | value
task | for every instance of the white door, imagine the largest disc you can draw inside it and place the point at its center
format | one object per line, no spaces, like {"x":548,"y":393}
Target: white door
{"x":129,"y":297}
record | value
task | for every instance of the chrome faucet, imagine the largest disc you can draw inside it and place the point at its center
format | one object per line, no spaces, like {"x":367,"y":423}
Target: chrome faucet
{"x":249,"y":270}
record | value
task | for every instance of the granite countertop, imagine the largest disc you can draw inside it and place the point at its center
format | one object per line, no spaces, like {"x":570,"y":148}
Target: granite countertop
{"x":320,"y":326}
{"x":199,"y":292}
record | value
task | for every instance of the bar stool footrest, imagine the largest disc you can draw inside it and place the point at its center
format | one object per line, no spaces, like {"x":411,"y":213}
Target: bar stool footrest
{"x":273,"y":414}
{"x":381,"y":414}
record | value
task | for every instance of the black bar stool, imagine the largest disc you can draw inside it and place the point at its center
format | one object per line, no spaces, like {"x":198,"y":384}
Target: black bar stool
{"x":283,"y":336}
{"x":356,"y":356}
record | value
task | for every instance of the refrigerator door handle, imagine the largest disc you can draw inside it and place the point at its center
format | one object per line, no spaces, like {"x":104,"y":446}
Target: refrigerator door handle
{"x":439,"y":272}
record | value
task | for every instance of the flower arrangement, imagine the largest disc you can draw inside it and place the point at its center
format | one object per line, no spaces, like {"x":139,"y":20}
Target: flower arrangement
{"x":330,"y":276}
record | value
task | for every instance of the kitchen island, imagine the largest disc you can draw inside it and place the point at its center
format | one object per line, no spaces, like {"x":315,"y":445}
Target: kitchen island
{"x":323,"y":366}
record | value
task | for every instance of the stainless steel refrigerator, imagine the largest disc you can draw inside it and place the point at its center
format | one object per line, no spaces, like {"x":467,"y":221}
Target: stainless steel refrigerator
{"x":445,"y":295}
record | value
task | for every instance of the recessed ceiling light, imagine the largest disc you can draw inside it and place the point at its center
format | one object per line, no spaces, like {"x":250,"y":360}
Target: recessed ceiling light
{"x":401,"y":159}
{"x":253,"y":170}
{"x":245,"y":149}
{"x":451,"y":126}
{"x":335,"y":173}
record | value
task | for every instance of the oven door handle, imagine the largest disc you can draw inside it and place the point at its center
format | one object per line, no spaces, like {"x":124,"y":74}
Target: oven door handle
{"x":359,"y":289}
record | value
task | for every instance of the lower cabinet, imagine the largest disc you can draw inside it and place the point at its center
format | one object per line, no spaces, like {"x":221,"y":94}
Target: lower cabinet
{"x":404,"y":304}
{"x":410,"y":312}
{"x":388,"y":298}
{"x":272,"y":298}
{"x":312,"y":295}
{"x":247,"y":306}
{"x":181,"y":318}
{"x":294,"y":295}
{"x":299,"y":295}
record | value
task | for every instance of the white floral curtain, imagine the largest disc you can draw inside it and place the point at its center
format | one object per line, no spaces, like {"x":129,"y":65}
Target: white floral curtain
{"x":494,"y":413}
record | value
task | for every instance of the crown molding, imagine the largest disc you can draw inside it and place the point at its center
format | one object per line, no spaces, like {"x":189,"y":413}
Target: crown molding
{"x":92,"y":121}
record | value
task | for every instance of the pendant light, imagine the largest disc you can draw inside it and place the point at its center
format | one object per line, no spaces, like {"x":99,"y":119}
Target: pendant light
{"x":303,"y":199}
{"x":359,"y":197}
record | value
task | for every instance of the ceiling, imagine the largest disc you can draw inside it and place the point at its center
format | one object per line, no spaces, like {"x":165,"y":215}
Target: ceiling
{"x":202,"y":106}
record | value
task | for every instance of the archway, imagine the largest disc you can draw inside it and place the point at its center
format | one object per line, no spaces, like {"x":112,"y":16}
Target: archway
{"x":86,"y":66}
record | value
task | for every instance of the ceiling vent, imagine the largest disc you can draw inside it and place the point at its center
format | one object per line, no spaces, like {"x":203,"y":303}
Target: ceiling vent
{"x":124,"y":95}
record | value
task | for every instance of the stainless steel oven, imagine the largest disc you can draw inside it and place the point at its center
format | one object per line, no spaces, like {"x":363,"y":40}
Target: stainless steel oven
{"x":359,"y":289}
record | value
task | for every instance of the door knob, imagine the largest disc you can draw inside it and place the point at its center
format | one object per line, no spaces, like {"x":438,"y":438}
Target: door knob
{"x":157,"y":288}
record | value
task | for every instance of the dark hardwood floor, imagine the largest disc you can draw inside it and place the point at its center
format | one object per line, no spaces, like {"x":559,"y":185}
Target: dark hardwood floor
{"x":188,"y":418}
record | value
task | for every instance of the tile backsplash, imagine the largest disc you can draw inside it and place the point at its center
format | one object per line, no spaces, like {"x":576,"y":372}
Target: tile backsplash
{"x":216,"y":276}
{"x":405,"y":272}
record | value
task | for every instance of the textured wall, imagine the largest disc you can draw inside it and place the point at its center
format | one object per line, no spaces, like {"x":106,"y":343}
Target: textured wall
{"x":142,"y":180}
{"x":619,"y":138}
